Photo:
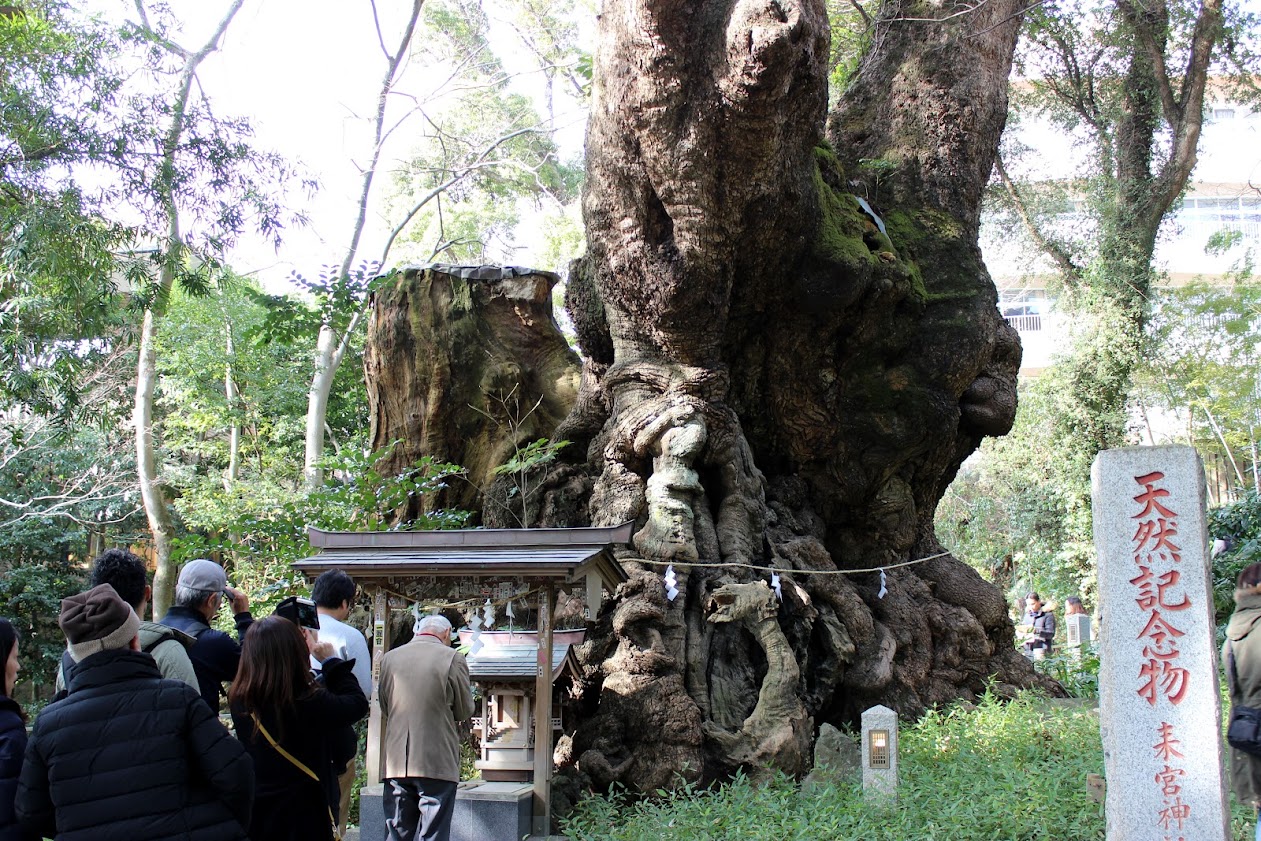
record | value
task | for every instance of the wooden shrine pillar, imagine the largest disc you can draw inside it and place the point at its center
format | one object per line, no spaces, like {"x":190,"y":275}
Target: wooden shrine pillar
{"x":376,"y":733}
{"x":595,"y":594}
{"x":543,"y":717}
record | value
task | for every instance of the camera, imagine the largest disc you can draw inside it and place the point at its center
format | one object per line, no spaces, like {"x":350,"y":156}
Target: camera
{"x":300,"y":612}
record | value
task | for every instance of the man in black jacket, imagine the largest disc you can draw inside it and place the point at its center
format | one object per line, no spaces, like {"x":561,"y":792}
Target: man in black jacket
{"x":199,"y":591}
{"x":127,"y":755}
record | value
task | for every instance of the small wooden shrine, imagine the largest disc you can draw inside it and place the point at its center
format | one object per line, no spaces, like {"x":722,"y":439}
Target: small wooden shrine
{"x":397,"y":569}
{"x":505,"y":668}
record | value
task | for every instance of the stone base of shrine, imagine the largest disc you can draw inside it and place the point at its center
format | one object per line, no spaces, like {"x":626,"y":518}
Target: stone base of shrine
{"x":483,"y":812}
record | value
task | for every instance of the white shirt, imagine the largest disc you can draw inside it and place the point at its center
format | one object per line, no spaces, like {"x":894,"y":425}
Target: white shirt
{"x":347,"y":642}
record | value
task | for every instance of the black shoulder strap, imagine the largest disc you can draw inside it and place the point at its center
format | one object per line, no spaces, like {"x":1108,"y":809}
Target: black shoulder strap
{"x":1232,"y":674}
{"x":148,"y":647}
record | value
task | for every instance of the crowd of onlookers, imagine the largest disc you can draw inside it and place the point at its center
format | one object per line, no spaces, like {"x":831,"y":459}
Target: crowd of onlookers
{"x":132,"y":748}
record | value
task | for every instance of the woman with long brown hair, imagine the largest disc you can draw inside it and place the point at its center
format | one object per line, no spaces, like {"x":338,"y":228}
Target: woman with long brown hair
{"x":1241,"y":655}
{"x":288,"y":722}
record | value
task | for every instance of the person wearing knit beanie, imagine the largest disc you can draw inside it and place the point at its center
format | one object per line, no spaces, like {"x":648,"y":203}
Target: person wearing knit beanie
{"x":95,"y":621}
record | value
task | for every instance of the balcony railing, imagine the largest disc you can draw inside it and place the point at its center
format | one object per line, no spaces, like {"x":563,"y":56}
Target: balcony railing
{"x":1024,"y":323}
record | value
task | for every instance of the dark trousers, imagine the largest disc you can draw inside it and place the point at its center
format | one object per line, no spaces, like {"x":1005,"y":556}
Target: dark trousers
{"x":418,"y":809}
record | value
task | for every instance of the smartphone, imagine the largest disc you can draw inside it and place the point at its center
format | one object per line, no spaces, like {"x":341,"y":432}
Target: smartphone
{"x":300,"y":612}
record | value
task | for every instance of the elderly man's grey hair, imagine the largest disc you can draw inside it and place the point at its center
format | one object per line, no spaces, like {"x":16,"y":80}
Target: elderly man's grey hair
{"x":188,"y":597}
{"x":435,"y":624}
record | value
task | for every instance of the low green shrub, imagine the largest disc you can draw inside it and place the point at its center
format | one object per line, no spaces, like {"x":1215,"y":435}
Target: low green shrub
{"x":1076,"y":671}
{"x":990,"y":772}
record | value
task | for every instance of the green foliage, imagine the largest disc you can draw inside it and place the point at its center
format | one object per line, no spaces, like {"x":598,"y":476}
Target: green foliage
{"x":1239,"y":523}
{"x":258,"y":536}
{"x":331,"y":299}
{"x":1020,"y":513}
{"x":1202,"y":371}
{"x":58,"y":484}
{"x":851,"y":25}
{"x":1077,"y":674}
{"x":99,"y":146}
{"x":1099,"y":73}
{"x":532,"y":455}
{"x":482,"y":146}
{"x":268,"y":369}
{"x":1015,"y":771}
{"x":56,"y":249}
{"x":30,"y":598}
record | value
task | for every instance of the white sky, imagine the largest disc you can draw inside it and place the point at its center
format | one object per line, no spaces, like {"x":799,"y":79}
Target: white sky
{"x":307,"y":76}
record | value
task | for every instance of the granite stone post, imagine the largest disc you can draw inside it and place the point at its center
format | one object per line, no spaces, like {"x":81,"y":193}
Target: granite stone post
{"x":1076,"y":633}
{"x":1159,"y":703}
{"x":880,"y":752}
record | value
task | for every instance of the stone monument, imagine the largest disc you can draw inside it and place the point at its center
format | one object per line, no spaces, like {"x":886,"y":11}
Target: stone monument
{"x":1076,"y":633}
{"x":1159,"y":703}
{"x":880,"y":752}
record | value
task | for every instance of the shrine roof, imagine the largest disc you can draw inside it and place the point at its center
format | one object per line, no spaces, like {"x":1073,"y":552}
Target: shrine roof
{"x":561,"y":554}
{"x":519,"y":662}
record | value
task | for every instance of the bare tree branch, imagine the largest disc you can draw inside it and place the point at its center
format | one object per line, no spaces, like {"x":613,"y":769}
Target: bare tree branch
{"x":387,"y":83}
{"x":482,"y":161}
{"x":1056,"y":251}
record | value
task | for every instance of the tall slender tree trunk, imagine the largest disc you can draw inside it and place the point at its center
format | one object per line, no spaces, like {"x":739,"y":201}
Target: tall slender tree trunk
{"x":317,"y":405}
{"x":1146,"y":117}
{"x":232,"y":399}
{"x":173,"y":253}
{"x":151,"y":492}
{"x":331,"y":346}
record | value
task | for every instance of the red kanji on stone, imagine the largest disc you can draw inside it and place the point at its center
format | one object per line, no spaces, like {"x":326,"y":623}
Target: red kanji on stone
{"x":1159,"y":631}
{"x":1168,"y":779}
{"x":1166,"y":748}
{"x":1163,"y":678}
{"x":1150,"y":496}
{"x":1158,"y":532}
{"x":1151,"y":589}
{"x":1176,"y":812}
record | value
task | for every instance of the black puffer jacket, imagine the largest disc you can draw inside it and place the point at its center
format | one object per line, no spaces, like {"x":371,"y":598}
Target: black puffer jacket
{"x":128,"y":756}
{"x":12,"y":746}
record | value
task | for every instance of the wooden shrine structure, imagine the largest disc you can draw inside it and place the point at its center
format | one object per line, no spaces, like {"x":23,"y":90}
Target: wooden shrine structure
{"x":535,"y":560}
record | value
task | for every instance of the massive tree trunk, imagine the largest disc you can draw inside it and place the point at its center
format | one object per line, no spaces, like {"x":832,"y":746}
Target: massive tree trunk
{"x":775,"y":376}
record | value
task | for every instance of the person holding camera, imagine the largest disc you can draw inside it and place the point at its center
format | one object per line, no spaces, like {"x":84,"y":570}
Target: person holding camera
{"x":288,"y":723}
{"x":334,"y":595}
{"x":199,"y":592}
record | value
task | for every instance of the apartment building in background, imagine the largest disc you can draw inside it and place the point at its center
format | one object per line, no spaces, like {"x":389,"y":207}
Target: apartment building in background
{"x":1225,"y":195}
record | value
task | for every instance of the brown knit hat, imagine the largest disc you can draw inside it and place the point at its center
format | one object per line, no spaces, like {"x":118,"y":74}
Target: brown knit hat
{"x":95,"y":621}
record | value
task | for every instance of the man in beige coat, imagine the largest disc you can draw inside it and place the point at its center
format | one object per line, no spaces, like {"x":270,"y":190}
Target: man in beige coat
{"x":424,"y":690}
